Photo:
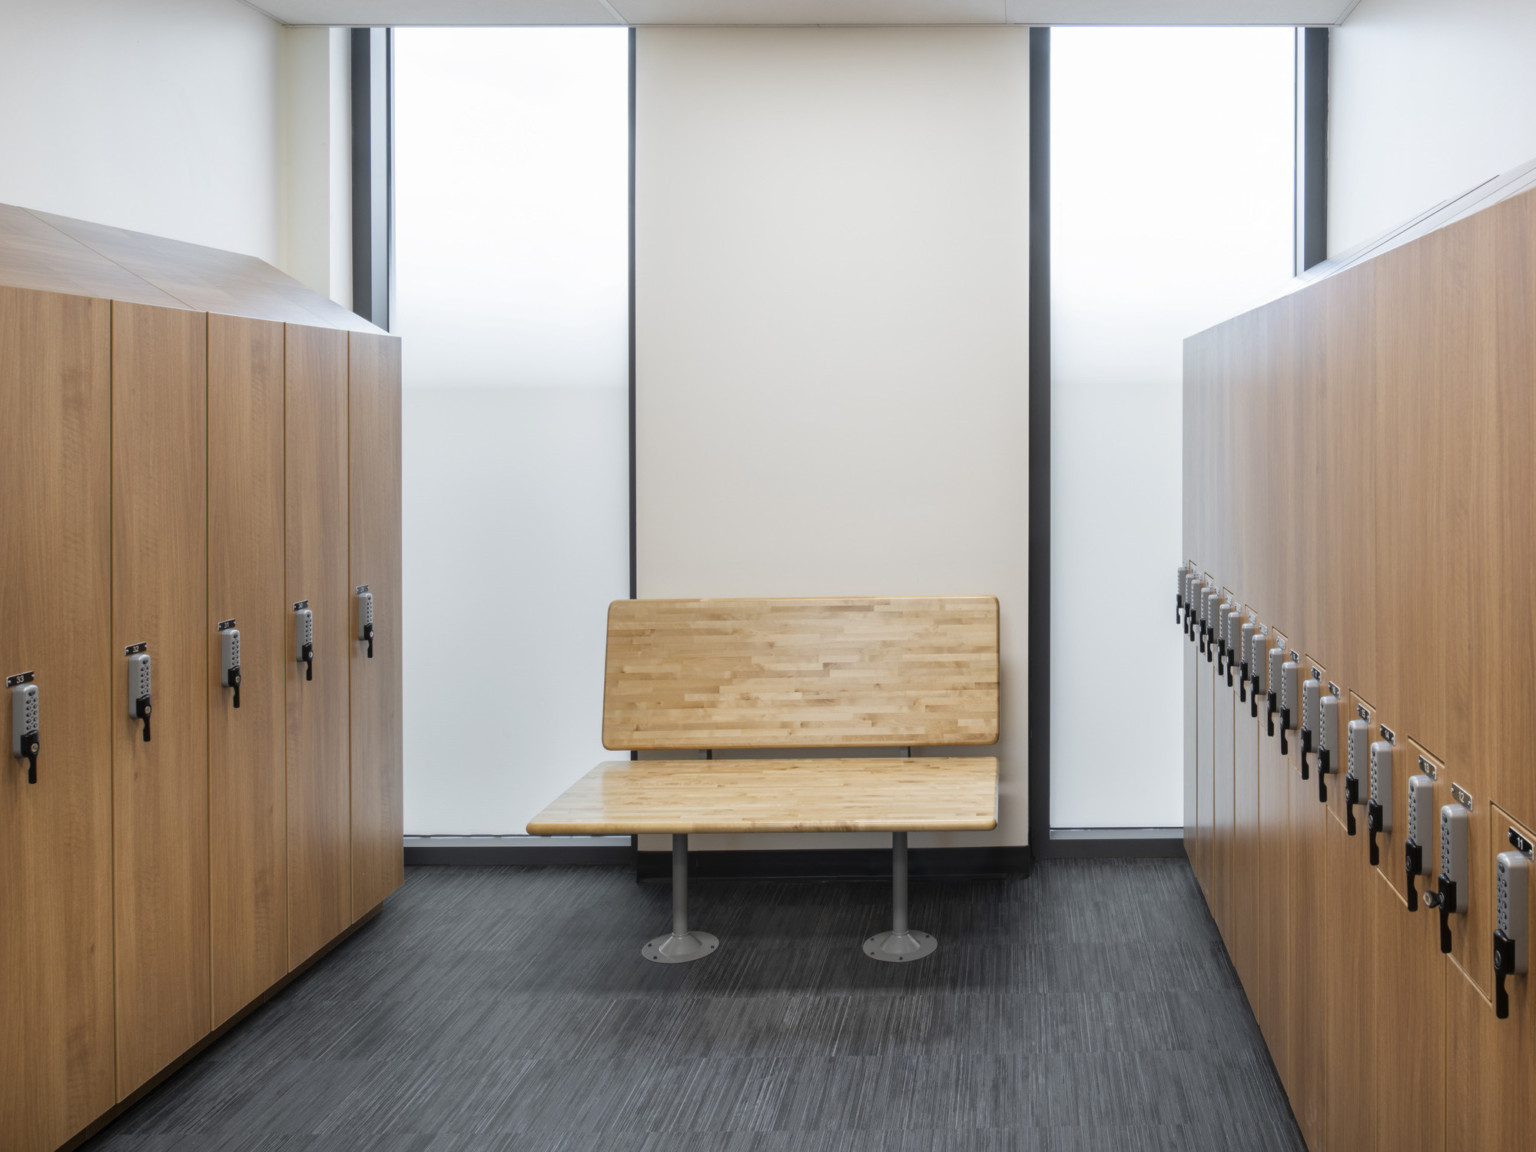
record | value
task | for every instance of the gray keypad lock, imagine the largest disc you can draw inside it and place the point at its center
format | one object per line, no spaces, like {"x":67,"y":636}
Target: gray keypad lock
{"x":1421,"y":814}
{"x":1311,"y":693}
{"x":1290,"y":693}
{"x":1234,"y":631}
{"x":1378,"y":813}
{"x":229,"y":658}
{"x":1245,"y":661}
{"x":25,"y":740}
{"x":1450,"y":895}
{"x":1327,"y":742}
{"x":1511,"y":937}
{"x":1258,"y":666}
{"x":1272,"y":687}
{"x":304,"y":637}
{"x":140,"y":702}
{"x":1357,"y":740}
{"x":365,"y":618}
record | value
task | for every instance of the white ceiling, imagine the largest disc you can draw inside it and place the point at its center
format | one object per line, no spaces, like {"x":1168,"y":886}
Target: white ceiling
{"x":568,"y":12}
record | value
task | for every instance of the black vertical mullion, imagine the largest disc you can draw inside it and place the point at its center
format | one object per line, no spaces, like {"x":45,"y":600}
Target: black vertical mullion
{"x":1039,"y":670}
{"x":634,"y":574}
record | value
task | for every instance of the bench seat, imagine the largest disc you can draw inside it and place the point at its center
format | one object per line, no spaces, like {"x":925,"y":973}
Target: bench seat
{"x":862,"y":794}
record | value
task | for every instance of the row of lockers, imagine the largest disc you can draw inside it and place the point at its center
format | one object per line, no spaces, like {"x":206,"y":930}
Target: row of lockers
{"x":1376,"y":910}
{"x":200,"y":589}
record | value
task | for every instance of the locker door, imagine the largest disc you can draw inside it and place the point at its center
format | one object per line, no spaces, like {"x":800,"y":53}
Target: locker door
{"x":319,"y":772}
{"x":1491,"y":1063}
{"x":1223,"y":810}
{"x":56,"y":1024}
{"x":1408,"y":1010}
{"x":1274,"y":881}
{"x":247,"y":782}
{"x":378,"y":859}
{"x":1245,"y":846}
{"x":1349,"y":1030}
{"x":159,"y":598}
{"x":1191,"y":746}
{"x":1305,"y":950}
{"x":1205,"y":750}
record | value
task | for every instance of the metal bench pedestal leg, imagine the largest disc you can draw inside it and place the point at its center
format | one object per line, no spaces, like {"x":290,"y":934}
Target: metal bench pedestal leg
{"x":682,"y":945}
{"x":900,"y":943}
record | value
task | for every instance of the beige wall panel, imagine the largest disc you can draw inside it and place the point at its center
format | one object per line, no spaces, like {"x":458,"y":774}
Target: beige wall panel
{"x":855,"y":408}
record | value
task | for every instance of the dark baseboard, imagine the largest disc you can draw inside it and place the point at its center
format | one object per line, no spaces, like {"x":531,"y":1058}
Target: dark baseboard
{"x":1115,"y":844}
{"x":515,"y":851}
{"x":839,"y":864}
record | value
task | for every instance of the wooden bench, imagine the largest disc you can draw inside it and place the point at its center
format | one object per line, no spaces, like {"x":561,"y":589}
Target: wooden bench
{"x":792,"y":675}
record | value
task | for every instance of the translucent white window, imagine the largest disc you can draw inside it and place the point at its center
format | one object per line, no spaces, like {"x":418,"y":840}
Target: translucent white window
{"x":1172,"y":161}
{"x":511,"y":183}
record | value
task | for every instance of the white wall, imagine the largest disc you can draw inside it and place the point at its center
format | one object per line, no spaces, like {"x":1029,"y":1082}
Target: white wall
{"x":832,"y":317}
{"x":1426,"y":99}
{"x":512,"y":155}
{"x":1170,"y":212}
{"x":157,"y":115}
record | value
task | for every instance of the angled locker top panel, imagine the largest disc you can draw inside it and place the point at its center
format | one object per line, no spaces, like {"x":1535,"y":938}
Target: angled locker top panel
{"x":100,"y":260}
{"x":36,"y":255}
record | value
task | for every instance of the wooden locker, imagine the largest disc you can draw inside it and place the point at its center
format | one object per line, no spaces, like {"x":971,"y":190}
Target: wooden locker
{"x":1205,"y":750}
{"x":1349,"y":972}
{"x":1408,"y":1001}
{"x":1305,"y":952}
{"x":1275,"y":881}
{"x":319,"y":771}
{"x":1491,"y":1063}
{"x":247,"y":789}
{"x":378,"y":857}
{"x":1245,"y":843}
{"x":1222,"y":806}
{"x":56,"y":1019}
{"x":1191,"y":743}
{"x":159,"y":598}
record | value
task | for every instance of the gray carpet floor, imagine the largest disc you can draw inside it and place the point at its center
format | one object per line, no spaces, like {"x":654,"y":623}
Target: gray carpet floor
{"x":1088,"y":1007}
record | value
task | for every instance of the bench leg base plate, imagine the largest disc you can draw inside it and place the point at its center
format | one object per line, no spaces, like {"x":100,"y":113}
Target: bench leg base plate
{"x":896,"y":948}
{"x":673,"y":949}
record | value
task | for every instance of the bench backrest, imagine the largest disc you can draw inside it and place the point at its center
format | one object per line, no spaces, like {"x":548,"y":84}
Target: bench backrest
{"x":870,"y":672}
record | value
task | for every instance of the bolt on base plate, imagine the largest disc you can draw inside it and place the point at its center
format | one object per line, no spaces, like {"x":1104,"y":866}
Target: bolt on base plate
{"x":894,"y":948}
{"x":674,"y":949}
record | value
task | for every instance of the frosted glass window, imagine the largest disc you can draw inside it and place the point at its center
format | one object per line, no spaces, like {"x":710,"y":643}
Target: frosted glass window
{"x":511,"y":184}
{"x":1172,"y":162}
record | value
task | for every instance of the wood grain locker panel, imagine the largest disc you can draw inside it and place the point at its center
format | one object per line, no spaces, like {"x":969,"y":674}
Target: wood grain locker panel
{"x":159,"y":597}
{"x":1246,"y":859}
{"x":1349,"y":1033}
{"x":247,"y":784}
{"x":57,"y":1055}
{"x":378,"y":820}
{"x":1275,"y":880}
{"x":1408,"y":1014}
{"x":1222,"y":805}
{"x":1205,"y":751}
{"x":1491,"y":1062}
{"x":319,"y":769}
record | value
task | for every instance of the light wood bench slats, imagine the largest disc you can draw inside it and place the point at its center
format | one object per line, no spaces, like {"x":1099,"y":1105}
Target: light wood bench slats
{"x":868,"y":672}
{"x":809,"y":795}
